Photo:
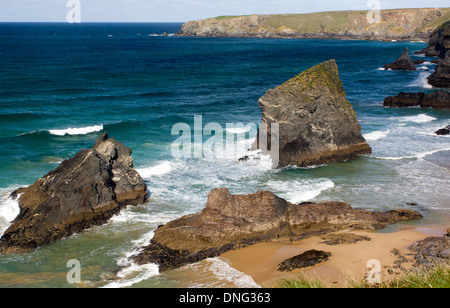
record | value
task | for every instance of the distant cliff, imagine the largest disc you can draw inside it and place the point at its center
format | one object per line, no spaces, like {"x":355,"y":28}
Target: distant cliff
{"x":400,"y":24}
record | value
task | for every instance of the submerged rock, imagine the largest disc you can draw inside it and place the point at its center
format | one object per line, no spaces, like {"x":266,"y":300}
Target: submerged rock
{"x":306,"y":259}
{"x":317,"y":124}
{"x":84,"y":191}
{"x":403,"y":63}
{"x":344,"y":238}
{"x":231,"y":222}
{"x":436,"y":100}
{"x":443,"y":131}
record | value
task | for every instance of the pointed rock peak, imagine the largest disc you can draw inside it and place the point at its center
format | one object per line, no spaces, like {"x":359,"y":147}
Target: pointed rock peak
{"x":325,"y":74}
{"x":405,"y":55}
{"x":101,"y":139}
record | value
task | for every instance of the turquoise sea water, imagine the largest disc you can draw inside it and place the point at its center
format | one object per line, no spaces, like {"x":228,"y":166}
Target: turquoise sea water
{"x":62,"y":85}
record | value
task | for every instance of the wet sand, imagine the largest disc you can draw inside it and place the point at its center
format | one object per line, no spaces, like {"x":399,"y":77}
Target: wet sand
{"x":347,"y":261}
{"x":440,"y":158}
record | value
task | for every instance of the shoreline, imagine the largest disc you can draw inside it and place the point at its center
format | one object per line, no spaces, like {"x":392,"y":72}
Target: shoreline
{"x":440,"y":159}
{"x":347,"y":261}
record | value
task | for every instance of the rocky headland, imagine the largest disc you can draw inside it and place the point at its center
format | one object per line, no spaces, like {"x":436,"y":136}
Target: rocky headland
{"x":230,"y":222}
{"x":84,"y":191}
{"x":401,"y":24}
{"x":441,"y":77}
{"x":317,"y":124}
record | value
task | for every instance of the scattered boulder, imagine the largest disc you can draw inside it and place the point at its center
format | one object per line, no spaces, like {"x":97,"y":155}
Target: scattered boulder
{"x":84,"y":191}
{"x":317,"y":124}
{"x":343,"y":238}
{"x":443,"y":131}
{"x":230,"y":222}
{"x":431,"y":250}
{"x":436,"y":99}
{"x":306,"y":259}
{"x":403,"y":63}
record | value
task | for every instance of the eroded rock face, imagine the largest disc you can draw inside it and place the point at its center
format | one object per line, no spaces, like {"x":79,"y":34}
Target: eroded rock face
{"x":317,"y":124}
{"x":436,"y":100}
{"x":84,"y":191}
{"x":403,"y":63}
{"x":441,"y":77}
{"x":231,"y":222}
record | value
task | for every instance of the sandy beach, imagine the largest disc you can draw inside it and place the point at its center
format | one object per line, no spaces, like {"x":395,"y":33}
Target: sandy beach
{"x":347,"y":260}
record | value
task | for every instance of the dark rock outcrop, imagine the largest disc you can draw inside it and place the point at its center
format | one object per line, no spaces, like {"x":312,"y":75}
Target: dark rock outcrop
{"x":441,"y":77}
{"x":436,"y":100}
{"x":431,"y":250}
{"x":233,"y":221}
{"x":84,"y":191}
{"x":317,"y":124}
{"x":306,"y":259}
{"x":403,"y":63}
{"x":443,"y":131}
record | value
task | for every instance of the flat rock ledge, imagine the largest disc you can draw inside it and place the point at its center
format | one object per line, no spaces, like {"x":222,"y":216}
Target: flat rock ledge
{"x":84,"y":191}
{"x":436,"y":100}
{"x":230,"y":222}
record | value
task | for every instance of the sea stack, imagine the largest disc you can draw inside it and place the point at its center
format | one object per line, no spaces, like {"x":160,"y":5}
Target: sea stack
{"x":84,"y":191}
{"x":404,"y":63}
{"x":317,"y":124}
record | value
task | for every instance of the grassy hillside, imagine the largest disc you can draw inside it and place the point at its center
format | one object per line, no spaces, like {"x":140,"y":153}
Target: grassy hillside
{"x":395,"y":24}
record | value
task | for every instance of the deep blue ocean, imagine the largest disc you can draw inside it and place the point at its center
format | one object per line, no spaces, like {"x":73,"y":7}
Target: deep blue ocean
{"x":62,"y":85}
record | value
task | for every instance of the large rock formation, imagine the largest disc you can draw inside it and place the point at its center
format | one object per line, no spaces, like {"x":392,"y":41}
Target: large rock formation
{"x":234,"y":221}
{"x":402,"y":24}
{"x":84,"y":191}
{"x":436,"y":100}
{"x":403,"y":63}
{"x":317,"y":124}
{"x":441,"y":77}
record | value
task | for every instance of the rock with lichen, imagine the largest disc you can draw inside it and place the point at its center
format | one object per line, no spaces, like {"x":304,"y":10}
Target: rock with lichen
{"x":316,"y":122}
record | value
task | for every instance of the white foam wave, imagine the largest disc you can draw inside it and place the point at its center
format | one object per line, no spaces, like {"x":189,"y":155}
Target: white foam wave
{"x":76,"y":130}
{"x":420,"y":118}
{"x":133,"y":274}
{"x":239,"y":130}
{"x":9,"y":210}
{"x":223,"y":271}
{"x":157,"y":170}
{"x":300,"y":191}
{"x":377,"y":135}
{"x":422,"y":81}
{"x":414,"y":156}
